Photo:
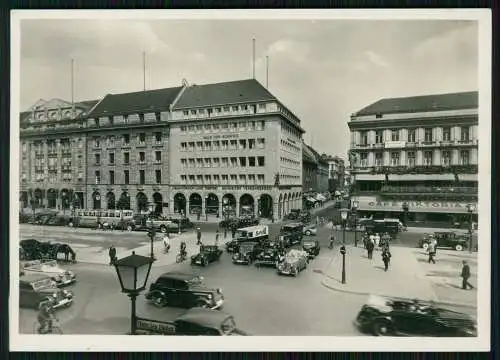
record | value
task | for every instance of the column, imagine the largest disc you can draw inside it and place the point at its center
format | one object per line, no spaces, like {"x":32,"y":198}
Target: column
{"x":402,"y":159}
{"x":133,"y":201}
{"x":420,"y":134}
{"x":275,"y":206}
{"x":474,"y":160}
{"x":237,"y":206}
{"x":219,"y":196}
{"x":371,"y":158}
{"x":438,"y":134}
{"x":203,"y":204}
{"x":387,"y":135}
{"x":454,"y":157}
{"x":419,"y":158}
{"x":59,"y":162}
{"x":387,"y":159}
{"x":473,"y":131}
{"x":436,"y":157}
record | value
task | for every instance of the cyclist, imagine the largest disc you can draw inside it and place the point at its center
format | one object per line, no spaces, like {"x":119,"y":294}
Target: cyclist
{"x":166,"y":243}
{"x":46,"y":316}
{"x":183,"y":249}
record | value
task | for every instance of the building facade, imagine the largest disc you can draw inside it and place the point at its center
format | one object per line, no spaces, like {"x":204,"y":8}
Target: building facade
{"x":420,"y":151}
{"x":52,"y":154}
{"x":309,"y":170}
{"x":336,"y":170}
{"x":234,"y":149}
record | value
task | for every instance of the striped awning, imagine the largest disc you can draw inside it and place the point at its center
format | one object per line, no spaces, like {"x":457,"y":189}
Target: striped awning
{"x":467,"y":177}
{"x":368,"y":177}
{"x":419,"y":177}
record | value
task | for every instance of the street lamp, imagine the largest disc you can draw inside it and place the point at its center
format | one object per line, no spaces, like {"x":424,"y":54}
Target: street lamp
{"x":405,"y":213}
{"x":133,"y":272}
{"x":342,"y":251}
{"x":471,"y":208}
{"x":354,"y":208}
{"x":343,"y":214}
{"x":151,"y":230}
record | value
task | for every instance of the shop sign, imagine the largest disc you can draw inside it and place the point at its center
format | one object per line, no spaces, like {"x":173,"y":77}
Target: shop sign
{"x":436,"y":206}
{"x":216,"y":137}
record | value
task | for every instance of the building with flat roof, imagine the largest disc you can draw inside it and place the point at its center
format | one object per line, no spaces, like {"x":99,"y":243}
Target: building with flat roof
{"x":419,"y":151}
{"x":234,"y":149}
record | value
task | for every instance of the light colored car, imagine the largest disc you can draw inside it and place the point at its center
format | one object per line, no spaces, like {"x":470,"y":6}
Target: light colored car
{"x":294,"y":262}
{"x":309,"y":230}
{"x":50,"y":268}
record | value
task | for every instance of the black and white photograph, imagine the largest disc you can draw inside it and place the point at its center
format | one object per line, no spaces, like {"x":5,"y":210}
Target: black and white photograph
{"x":291,"y":180}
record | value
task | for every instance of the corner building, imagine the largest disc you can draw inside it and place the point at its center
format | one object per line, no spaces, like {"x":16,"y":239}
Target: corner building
{"x":234,"y":148}
{"x":422,"y":151}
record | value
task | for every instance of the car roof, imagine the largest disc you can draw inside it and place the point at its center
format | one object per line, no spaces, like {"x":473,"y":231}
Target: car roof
{"x":33,"y":277}
{"x":205,"y":317}
{"x":178,"y":275}
{"x":293,"y":224}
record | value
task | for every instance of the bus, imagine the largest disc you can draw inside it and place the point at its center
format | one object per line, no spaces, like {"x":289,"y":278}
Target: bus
{"x":97,"y":218}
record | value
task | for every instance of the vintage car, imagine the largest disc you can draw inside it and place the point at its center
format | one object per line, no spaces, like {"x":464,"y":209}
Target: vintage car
{"x":292,"y":233}
{"x":448,"y":239}
{"x":158,"y":222}
{"x":309,"y":230}
{"x":184,"y":222}
{"x":385,"y":316}
{"x":36,"y":289}
{"x":269,"y":256}
{"x":293,"y":215}
{"x":49,"y":267}
{"x":257,"y":233}
{"x":195,"y":322}
{"x":294,"y":262}
{"x":312,"y":248}
{"x":33,"y":249}
{"x":182,"y":289}
{"x":236,"y":223}
{"x":247,"y":252}
{"x":207,"y":254}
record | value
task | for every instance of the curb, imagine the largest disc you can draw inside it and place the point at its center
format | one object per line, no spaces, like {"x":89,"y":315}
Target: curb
{"x":331,"y":287}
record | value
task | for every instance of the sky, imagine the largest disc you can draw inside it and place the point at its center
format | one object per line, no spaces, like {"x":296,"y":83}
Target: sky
{"x":322,"y":70}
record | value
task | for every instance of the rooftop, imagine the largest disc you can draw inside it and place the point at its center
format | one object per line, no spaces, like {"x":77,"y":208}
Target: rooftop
{"x":224,"y":93}
{"x":136,"y":102}
{"x":426,"y":103}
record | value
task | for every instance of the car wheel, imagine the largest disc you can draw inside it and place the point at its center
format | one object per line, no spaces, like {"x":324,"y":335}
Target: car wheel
{"x":129,"y":228}
{"x":382,"y":328}
{"x":459,"y":247}
{"x":425,"y":246}
{"x":163,"y":229}
{"x":159,"y":301}
{"x":308,"y":233}
{"x":295,"y":272}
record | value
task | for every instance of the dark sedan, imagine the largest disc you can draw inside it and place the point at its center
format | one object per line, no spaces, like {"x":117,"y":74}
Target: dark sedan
{"x":207,"y":254}
{"x":384,"y":316}
{"x":312,"y":248}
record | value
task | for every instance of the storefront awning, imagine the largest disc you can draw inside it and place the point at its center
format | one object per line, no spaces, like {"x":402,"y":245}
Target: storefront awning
{"x":467,"y":177}
{"x":419,"y":177}
{"x":368,"y":177}
{"x":310,"y":199}
{"x":372,"y":203}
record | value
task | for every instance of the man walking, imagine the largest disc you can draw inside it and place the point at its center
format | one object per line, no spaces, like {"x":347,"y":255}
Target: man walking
{"x":465,"y":276}
{"x":370,"y":245}
{"x":112,"y":255}
{"x":386,"y":258}
{"x":198,"y":236}
{"x":431,"y":249}
{"x":217,"y":238}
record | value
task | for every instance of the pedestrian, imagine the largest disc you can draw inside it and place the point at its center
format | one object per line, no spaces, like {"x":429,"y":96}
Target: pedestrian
{"x":198,"y":236}
{"x":112,"y":255}
{"x":369,"y":247}
{"x":372,"y":238}
{"x":465,"y":276}
{"x":432,"y":252}
{"x":377,"y":239}
{"x":386,"y":258}
{"x":233,"y":232}
{"x":217,"y":238}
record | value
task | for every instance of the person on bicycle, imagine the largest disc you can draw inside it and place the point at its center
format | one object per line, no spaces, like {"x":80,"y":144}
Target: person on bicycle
{"x":46,"y":316}
{"x":166,"y":243}
{"x":332,"y":240}
{"x":183,"y":248}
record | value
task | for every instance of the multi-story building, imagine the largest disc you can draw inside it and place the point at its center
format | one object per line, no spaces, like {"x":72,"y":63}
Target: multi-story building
{"x":336,"y":171}
{"x":321,"y":172}
{"x":309,"y":170}
{"x":128,"y":150}
{"x":52,"y":154}
{"x":421,"y":152}
{"x":234,"y":147}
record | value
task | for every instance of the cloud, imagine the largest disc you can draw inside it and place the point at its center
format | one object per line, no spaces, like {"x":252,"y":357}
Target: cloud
{"x":298,"y":50}
{"x":376,"y":59}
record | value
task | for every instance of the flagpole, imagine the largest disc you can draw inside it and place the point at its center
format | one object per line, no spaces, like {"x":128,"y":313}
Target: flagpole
{"x":73,"y":85}
{"x":253,"y":53}
{"x":144,"y":69}
{"x":267,"y":72}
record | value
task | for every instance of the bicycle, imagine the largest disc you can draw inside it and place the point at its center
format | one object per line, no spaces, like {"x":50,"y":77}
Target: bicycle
{"x":53,"y":329}
{"x":180,"y":257}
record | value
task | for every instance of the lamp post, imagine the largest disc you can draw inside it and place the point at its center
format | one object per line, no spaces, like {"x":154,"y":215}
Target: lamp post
{"x":151,"y":231}
{"x":206,"y":209}
{"x":470,"y":209}
{"x":405,"y":213}
{"x":133,"y":272}
{"x":354,"y":208}
{"x":343,"y":214}
{"x":342,"y":251}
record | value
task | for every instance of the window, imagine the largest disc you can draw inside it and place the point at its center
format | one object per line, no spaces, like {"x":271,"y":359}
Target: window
{"x":111,"y":141}
{"x":157,"y":156}
{"x":395,"y":135}
{"x":260,"y":143}
{"x":251,"y":161}
{"x":225,"y":162}
{"x":191,"y":179}
{"x":216,"y":162}
{"x":208,"y":179}
{"x":260,"y":161}
{"x":111,"y":177}
{"x":233,"y":179}
{"x":225,"y":144}
{"x":427,"y":158}
{"x":395,"y":158}
{"x":410,"y":155}
{"x":216,"y":179}
{"x":364,"y":138}
{"x":244,"y":107}
{"x":158,"y":137}
{"x":191,"y":146}
{"x":208,"y":162}
{"x":226,"y":109}
{"x":208,"y":127}
{"x":233,"y":144}
{"x":260,"y":179}
{"x":225,"y":179}
{"x":142,"y":157}
{"x":141,"y":118}
{"x":199,"y":129}
{"x":193,"y":112}
{"x":184,"y":162}
{"x":183,"y":178}
{"x":126,"y":158}
{"x":446,"y":134}
{"x":208,"y":145}
{"x":142,"y":177}
{"x":199,"y":179}
{"x":464,"y":157}
{"x":243,"y":179}
{"x":218,"y":110}
{"x":364,"y":159}
{"x":378,"y":159}
{"x":243,"y":125}
{"x":158,"y":176}
{"x":243,"y":144}
{"x":464,"y":134}
{"x":97,"y":177}
{"x":411,"y":135}
{"x":199,"y":163}
{"x":446,"y":157}
{"x":262,"y":106}
{"x":126,"y":176}
{"x":183,"y":129}
{"x":234,"y":162}
{"x":142,"y":138}
{"x":126,"y":139}
{"x":199,"y":145}
{"x":234,"y":108}
{"x":216,"y":145}
{"x":224,"y":127}
{"x":185,"y":113}
{"x":379,"y":136}
{"x":192,"y":163}
{"x":428,"y":134}
{"x":251,"y":179}
{"x":251,"y":143}
{"x":111,"y":158}
{"x":97,"y":159}
{"x":191,"y":128}
{"x":97,"y":142}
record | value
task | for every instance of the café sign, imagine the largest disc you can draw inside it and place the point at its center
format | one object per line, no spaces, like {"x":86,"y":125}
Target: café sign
{"x":413,"y":206}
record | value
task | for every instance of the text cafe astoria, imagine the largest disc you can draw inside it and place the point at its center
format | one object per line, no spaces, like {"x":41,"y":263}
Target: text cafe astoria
{"x":413,"y":206}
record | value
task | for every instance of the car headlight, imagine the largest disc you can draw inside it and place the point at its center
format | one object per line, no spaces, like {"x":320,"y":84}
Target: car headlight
{"x":210,"y":296}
